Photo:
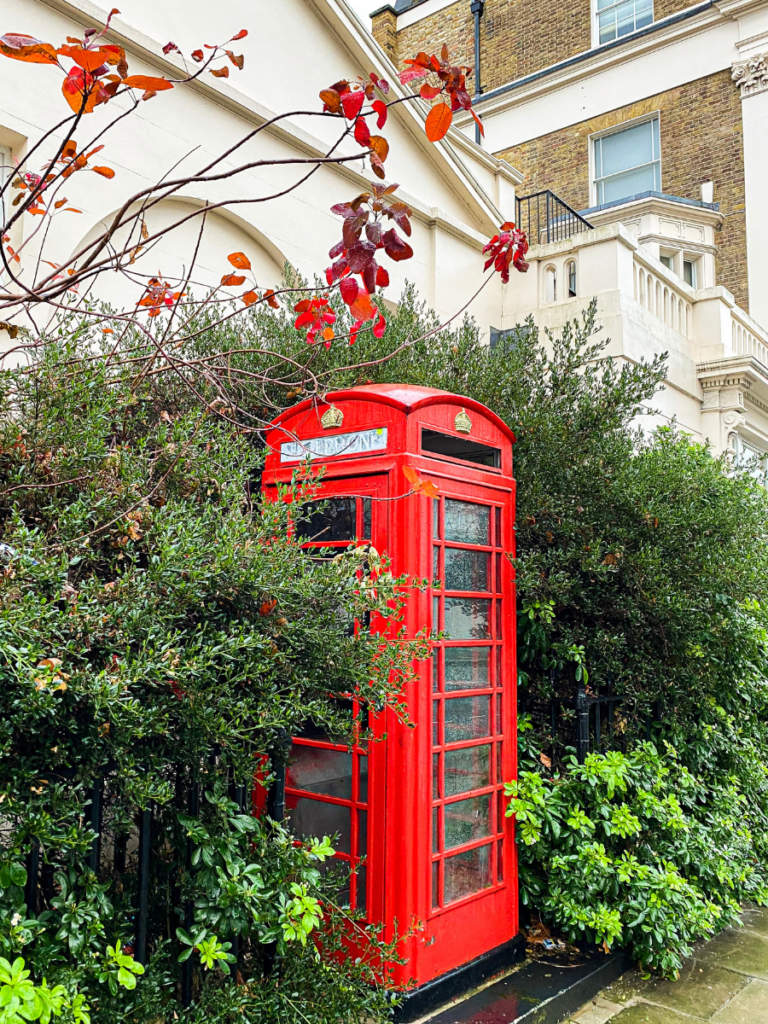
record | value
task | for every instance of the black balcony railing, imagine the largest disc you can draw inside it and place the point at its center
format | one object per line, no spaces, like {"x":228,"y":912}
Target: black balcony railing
{"x":544,"y":217}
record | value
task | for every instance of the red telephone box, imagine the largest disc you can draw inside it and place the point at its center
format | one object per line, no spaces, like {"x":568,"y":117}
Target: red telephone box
{"x":424,"y":805}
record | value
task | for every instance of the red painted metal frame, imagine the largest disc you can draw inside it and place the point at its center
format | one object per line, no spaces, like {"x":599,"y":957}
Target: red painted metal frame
{"x":400,"y":782}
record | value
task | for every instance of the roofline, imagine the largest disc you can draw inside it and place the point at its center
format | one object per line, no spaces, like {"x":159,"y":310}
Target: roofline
{"x":442,"y":397}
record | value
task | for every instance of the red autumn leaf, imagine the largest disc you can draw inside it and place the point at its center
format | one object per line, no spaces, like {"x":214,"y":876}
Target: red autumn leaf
{"x":362,"y":135}
{"x":380,"y":147}
{"x":428,"y":92}
{"x":438,"y":122}
{"x":382,"y":111}
{"x":239,"y":62}
{"x":58,"y":204}
{"x":105,"y":172}
{"x":233,"y":280}
{"x":362,"y":308}
{"x":27,"y":48}
{"x":379,"y":326}
{"x":88,"y":60}
{"x":77,"y":84}
{"x":267,"y":607}
{"x":419,"y":486}
{"x":170,"y":46}
{"x":395,"y":247}
{"x":240,"y":35}
{"x":352,"y":103}
{"x":376,"y":165}
{"x":239,"y":260}
{"x":410,"y":73}
{"x":382,"y":277}
{"x":478,"y":122}
{"x":250,"y":297}
{"x":147,"y":82}
{"x":197,"y":55}
{"x":349,"y":289}
{"x":220,"y":72}
{"x":269,"y":294}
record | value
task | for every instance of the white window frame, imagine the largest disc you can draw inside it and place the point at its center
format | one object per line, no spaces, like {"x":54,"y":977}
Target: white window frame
{"x":596,"y":24}
{"x":6,"y":171}
{"x":614,"y":130}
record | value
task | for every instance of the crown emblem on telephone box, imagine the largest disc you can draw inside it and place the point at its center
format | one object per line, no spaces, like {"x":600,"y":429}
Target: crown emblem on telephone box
{"x":462,"y":422}
{"x":332,"y":417}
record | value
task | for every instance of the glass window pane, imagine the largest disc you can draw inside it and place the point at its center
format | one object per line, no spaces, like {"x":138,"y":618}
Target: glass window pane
{"x":466,"y":718}
{"x":435,"y":723}
{"x":436,"y":518}
{"x":466,"y":668}
{"x":436,"y":884}
{"x":602,"y":4}
{"x":497,"y":537}
{"x":607,"y":22}
{"x":362,"y":833}
{"x":435,"y":614}
{"x":468,"y":618}
{"x":435,"y":776}
{"x":333,"y":520}
{"x":625,"y":17}
{"x":466,"y":522}
{"x":435,"y":830}
{"x":467,"y":820}
{"x":362,"y":880}
{"x":328,"y":772}
{"x":467,"y":872}
{"x":467,"y":769}
{"x":433,"y":665}
{"x":366,"y":518}
{"x":466,"y":570}
{"x":632,"y":183}
{"x":316,"y":818}
{"x":500,"y":860}
{"x":627,"y":148}
{"x":436,"y":563}
{"x":362,"y":778}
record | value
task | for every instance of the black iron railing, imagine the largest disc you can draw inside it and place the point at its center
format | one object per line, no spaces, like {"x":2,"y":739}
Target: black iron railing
{"x":544,"y":217}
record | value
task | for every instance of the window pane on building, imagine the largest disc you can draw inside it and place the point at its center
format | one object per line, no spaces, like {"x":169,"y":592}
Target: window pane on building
{"x":466,"y":668}
{"x":467,"y":820}
{"x":466,"y":570}
{"x":466,"y":522}
{"x":467,"y":769}
{"x":467,"y":618}
{"x":467,"y":718}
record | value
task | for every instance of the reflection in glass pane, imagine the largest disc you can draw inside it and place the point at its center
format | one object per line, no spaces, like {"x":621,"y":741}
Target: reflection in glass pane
{"x":436,"y":518}
{"x":329,"y":519}
{"x":435,"y":723}
{"x":366,"y":518}
{"x":498,"y":620}
{"x":497,"y":536}
{"x":309,"y":818}
{"x":362,"y":879}
{"x":362,"y":778}
{"x":499,"y":676}
{"x":362,"y":833}
{"x":466,"y":570}
{"x":467,"y":872}
{"x":498,"y":714}
{"x":498,"y":573}
{"x":466,"y":522}
{"x":435,"y":776}
{"x":498,"y":764}
{"x":326,"y":772}
{"x":435,"y":614}
{"x":467,"y":769}
{"x":436,"y":884}
{"x":435,"y":830}
{"x":467,"y":718}
{"x":468,"y":618}
{"x":500,"y":860}
{"x":467,"y":820}
{"x":466,"y":668}
{"x":433,"y":665}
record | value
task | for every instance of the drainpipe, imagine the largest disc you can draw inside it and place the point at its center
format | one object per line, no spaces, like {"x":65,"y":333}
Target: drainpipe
{"x":476,"y":7}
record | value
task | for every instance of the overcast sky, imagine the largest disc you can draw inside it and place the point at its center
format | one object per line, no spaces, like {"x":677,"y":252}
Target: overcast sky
{"x":364,"y":8}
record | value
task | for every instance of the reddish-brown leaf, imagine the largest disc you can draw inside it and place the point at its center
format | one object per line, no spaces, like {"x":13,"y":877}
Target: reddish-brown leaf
{"x":233,"y":280}
{"x":239,"y":260}
{"x":220,"y":72}
{"x":410,"y":73}
{"x":269,"y":295}
{"x":147,"y":82}
{"x":352,"y":103}
{"x":380,"y":146}
{"x":349,"y":289}
{"x":249,"y":298}
{"x":332,"y":100}
{"x":478,"y":122}
{"x":105,"y":172}
{"x":197,"y":55}
{"x":88,"y":60}
{"x":362,"y":308}
{"x":77,"y":84}
{"x":428,"y":92}
{"x":27,"y":48}
{"x":240,"y":35}
{"x":362,"y":134}
{"x":438,"y":122}
{"x":237,"y":61}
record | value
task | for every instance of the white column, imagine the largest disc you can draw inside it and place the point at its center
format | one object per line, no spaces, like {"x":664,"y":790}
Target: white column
{"x":751,"y":76}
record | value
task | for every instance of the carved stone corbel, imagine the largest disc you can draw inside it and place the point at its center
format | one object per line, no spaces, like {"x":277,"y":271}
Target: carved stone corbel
{"x":751,"y":75}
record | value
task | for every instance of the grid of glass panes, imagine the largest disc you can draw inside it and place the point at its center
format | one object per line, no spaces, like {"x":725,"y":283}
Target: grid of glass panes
{"x":615,"y":20}
{"x":467,"y":701}
{"x":628,"y":162}
{"x":327,"y":783}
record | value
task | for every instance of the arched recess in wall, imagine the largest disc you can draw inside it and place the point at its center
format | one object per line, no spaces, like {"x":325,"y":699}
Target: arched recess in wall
{"x":223,"y":232}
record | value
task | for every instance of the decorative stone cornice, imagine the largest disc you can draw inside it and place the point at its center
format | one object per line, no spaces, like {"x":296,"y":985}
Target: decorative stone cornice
{"x":751,"y":75}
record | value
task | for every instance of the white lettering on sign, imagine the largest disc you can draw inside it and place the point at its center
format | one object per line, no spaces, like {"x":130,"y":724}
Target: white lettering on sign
{"x":357,"y":443}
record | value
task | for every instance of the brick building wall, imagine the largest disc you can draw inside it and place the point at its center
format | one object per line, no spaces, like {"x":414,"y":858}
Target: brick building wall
{"x":701,"y":140}
{"x":663,"y":8}
{"x":517,"y":37}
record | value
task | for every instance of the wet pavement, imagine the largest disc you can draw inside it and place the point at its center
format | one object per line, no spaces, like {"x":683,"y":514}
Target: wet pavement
{"x":724,"y":982}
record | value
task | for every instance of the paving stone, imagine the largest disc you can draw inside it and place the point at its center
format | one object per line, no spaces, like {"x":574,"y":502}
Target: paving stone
{"x":701,"y":990}
{"x":739,"y":950}
{"x":598,"y":1011}
{"x":646,"y":1013}
{"x":750,"y":1006}
{"x":756,"y":920}
{"x":627,"y":987}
